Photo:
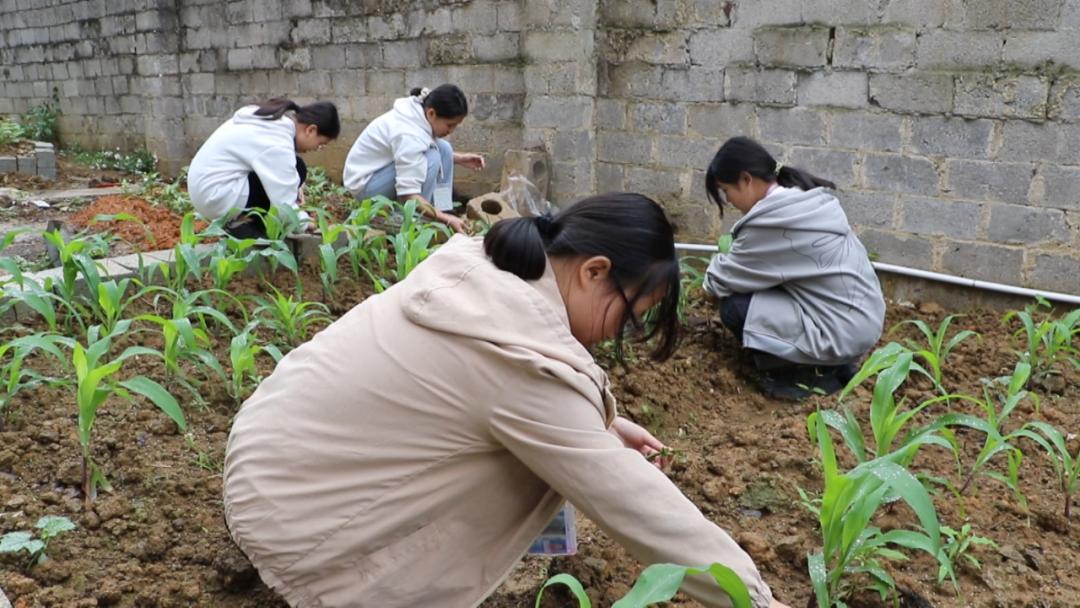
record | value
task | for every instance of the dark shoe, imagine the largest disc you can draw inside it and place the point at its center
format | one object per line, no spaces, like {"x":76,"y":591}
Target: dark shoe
{"x":245,"y":228}
{"x":802,"y":381}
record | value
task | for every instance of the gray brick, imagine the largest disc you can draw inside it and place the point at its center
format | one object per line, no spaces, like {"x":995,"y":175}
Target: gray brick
{"x":623,"y":148}
{"x":720,"y":47}
{"x":1062,"y":186}
{"x":696,"y":83}
{"x":956,"y":137}
{"x":750,"y":15}
{"x":666,"y":48}
{"x":989,"y":181}
{"x":878,"y":48}
{"x":1056,"y":272}
{"x":983,"y":261}
{"x":869,"y":209}
{"x":632,"y":80}
{"x":838,"y":89}
{"x":556,"y":46}
{"x":799,"y":46}
{"x":312,"y":32}
{"x":920,"y":14}
{"x":571,"y":181}
{"x":1064,"y":98}
{"x":916,"y":93}
{"x":477,"y":17}
{"x":331,"y":57}
{"x":836,"y":166}
{"x":763,"y":86}
{"x":503,"y":46}
{"x":1029,"y":142}
{"x":903,"y":250}
{"x":721,"y":121}
{"x":683,"y":152}
{"x":951,"y":50}
{"x":794,"y":126}
{"x":239,"y":59}
{"x":609,"y":178}
{"x":836,"y":11}
{"x":1004,"y":14}
{"x":610,"y":114}
{"x":399,"y":54}
{"x":935,"y":216}
{"x":1001,"y":96}
{"x":8,"y":164}
{"x":341,"y":31}
{"x":658,"y":117}
{"x":895,"y":173}
{"x":27,"y":165}
{"x":1023,"y":225}
{"x":367,"y":55}
{"x":559,"y":112}
{"x":652,"y":182}
{"x":573,"y":144}
{"x":864,"y":130}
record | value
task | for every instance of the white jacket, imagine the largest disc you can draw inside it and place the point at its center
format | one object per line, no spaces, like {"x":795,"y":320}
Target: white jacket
{"x":218,"y":176}
{"x":400,"y":136}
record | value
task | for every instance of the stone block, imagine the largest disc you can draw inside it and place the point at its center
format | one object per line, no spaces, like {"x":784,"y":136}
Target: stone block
{"x":864,"y":130}
{"x":837,"y":89}
{"x":658,"y":117}
{"x":632,"y":80}
{"x":892,"y":248}
{"x":490,"y":208}
{"x":1000,"y":96}
{"x":837,"y":166}
{"x":666,"y":48}
{"x":1030,"y":142}
{"x":989,"y":181}
{"x":936,"y":216}
{"x":542,"y":47}
{"x":695,"y":83}
{"x":610,"y":114}
{"x":1022,"y":225}
{"x":366,"y":55}
{"x":504,"y":46}
{"x":330,"y":57}
{"x":683,"y":152}
{"x":609,"y":178}
{"x":923,"y":93}
{"x":1064,"y":101}
{"x":654,"y":183}
{"x":559,"y":112}
{"x":572,"y":181}
{"x":721,"y":121}
{"x":761,"y":86}
{"x":27,"y":165}
{"x":951,"y":50}
{"x":721,"y":47}
{"x":239,"y":59}
{"x":1056,"y":272}
{"x":896,"y":173}
{"x":1061,"y":187}
{"x":8,"y":164}
{"x":919,"y":14}
{"x":869,"y":209}
{"x":792,"y":126}
{"x":476,"y":18}
{"x":1004,"y":15}
{"x":310,"y":32}
{"x":534,"y":165}
{"x":620,"y":147}
{"x":983,"y":261}
{"x":797,"y":46}
{"x":956,"y":137}
{"x":877,"y":48}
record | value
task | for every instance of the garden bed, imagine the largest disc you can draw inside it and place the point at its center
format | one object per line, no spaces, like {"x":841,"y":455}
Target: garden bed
{"x":158,"y":539}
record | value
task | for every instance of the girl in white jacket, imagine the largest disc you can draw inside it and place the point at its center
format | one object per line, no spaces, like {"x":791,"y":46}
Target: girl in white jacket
{"x":403,"y":154}
{"x":252,"y":162}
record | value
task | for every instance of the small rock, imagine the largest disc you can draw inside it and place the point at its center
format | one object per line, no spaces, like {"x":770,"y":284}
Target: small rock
{"x":1054,"y":383}
{"x":598,"y":565}
{"x":46,"y":435}
{"x":18,"y":585}
{"x":191,"y":591}
{"x":755,"y":545}
{"x":7,"y":458}
{"x":713,"y":490}
{"x":16,"y":502}
{"x":50,"y":498}
{"x":235,"y":571}
{"x":70,"y":473}
{"x":90,"y":520}
{"x":931,"y":308}
{"x":51,"y":572}
{"x":110,"y":593}
{"x":791,"y":550}
{"x":1010,"y":553}
{"x":112,"y":507}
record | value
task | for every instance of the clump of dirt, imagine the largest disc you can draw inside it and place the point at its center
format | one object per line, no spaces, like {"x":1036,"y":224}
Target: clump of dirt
{"x":18,"y":148}
{"x":157,"y":228}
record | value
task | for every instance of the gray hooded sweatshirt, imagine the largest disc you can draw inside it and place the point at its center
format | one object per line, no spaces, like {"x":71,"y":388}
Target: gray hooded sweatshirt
{"x":816,"y":298}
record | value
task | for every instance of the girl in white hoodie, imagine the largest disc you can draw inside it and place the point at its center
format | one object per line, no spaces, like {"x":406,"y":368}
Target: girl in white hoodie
{"x":252,"y":162}
{"x":797,"y":288}
{"x":403,"y":154}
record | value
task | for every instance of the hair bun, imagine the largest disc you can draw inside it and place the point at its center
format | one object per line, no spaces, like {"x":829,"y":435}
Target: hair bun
{"x":545,"y":225}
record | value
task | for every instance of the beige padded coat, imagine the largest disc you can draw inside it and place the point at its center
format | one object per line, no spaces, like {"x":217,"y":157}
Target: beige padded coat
{"x":410,"y":452}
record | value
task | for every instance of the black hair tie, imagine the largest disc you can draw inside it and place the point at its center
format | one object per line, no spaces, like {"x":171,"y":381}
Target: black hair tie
{"x":545,"y":225}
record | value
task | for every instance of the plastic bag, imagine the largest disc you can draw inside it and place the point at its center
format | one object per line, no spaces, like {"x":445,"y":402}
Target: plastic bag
{"x":524,"y":197}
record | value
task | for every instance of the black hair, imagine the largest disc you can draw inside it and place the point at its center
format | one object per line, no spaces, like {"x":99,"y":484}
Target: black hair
{"x":322,"y":114}
{"x":742,"y":154}
{"x":629,"y":229}
{"x":446,"y":99}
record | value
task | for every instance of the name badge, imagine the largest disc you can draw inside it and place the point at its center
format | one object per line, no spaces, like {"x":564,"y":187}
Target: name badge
{"x":443,"y":198}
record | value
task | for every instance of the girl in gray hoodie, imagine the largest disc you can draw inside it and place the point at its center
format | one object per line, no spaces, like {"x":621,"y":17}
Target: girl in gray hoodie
{"x":797,"y":287}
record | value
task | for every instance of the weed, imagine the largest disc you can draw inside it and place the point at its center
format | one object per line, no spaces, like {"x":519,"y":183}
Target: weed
{"x":36,"y":543}
{"x":10,"y":132}
{"x":39,"y":122}
{"x":958,"y":544}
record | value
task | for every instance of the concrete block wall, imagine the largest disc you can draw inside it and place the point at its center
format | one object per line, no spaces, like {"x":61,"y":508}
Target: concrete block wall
{"x":952,"y":127}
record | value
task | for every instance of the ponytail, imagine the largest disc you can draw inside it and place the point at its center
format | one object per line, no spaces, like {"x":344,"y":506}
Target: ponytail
{"x":631,"y":230}
{"x":741,"y":155}
{"x":322,"y":114}
{"x":447,"y":100}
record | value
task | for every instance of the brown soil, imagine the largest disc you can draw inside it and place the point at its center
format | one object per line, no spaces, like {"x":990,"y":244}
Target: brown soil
{"x":18,"y":148}
{"x":69,"y":175}
{"x":158,"y":228}
{"x":159,"y":538}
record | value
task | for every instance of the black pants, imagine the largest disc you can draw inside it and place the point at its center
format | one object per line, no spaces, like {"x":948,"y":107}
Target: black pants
{"x":251,"y":225}
{"x":733,"y":312}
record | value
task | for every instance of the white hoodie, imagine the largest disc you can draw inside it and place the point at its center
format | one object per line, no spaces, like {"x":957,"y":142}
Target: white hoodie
{"x":218,"y":176}
{"x":400,"y":136}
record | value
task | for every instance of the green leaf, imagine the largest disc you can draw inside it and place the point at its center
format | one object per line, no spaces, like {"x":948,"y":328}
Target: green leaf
{"x":52,"y":525}
{"x":657,"y":583}
{"x":572,"y":583}
{"x":159,"y":396}
{"x":815,"y":565}
{"x":13,"y":542}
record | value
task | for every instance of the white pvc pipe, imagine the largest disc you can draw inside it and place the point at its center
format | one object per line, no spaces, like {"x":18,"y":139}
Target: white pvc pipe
{"x":934,"y":276}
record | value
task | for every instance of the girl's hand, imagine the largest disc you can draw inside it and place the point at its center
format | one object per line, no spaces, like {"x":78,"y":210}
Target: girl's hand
{"x":637,"y":438}
{"x":456,"y":223}
{"x":472,"y":161}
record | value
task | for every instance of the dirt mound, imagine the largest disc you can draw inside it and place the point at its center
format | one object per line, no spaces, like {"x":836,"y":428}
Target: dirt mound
{"x":157,"y":228}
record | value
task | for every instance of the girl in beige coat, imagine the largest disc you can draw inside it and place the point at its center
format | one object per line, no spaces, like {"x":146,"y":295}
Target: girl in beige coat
{"x":409,"y":454}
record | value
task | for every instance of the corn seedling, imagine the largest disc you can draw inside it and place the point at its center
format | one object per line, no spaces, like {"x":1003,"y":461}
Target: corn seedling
{"x":658,"y":583}
{"x":291,"y":319}
{"x":15,"y":376}
{"x":938,"y":345}
{"x":1047,"y":341}
{"x":280,"y":222}
{"x":329,"y":252}
{"x":1066,"y":464}
{"x":36,"y":543}
{"x":851,"y":547}
{"x":244,"y":351}
{"x":187,"y":258}
{"x":42,"y":300}
{"x":76,"y":259}
{"x":881,"y":359}
{"x":413,"y":242}
{"x":95,"y":383}
{"x":959,"y":545}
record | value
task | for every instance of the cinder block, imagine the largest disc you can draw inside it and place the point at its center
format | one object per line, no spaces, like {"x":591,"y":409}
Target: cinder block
{"x":695,"y":83}
{"x":878,"y":48}
{"x":1004,"y":15}
{"x":331,"y":57}
{"x":936,"y":216}
{"x":984,"y":261}
{"x":869,"y":209}
{"x":959,"y":49}
{"x":721,"y":47}
{"x":1056,"y":272}
{"x":866,"y":131}
{"x":659,"y":117}
{"x":1034,"y":49}
{"x":916,"y":93}
{"x":490,"y":208}
{"x":621,"y":147}
{"x":837,"y":166}
{"x":1061,"y":186}
{"x":794,"y":126}
{"x":892,"y":248}
{"x":1023,"y":225}
{"x":534,"y":165}
{"x":989,"y":181}
{"x":559,"y":112}
{"x":1001,"y":96}
{"x":27,"y":165}
{"x":667,"y":48}
{"x":1064,"y":99}
{"x":956,"y":137}
{"x":8,"y":164}
{"x":632,"y":80}
{"x":651,"y":182}
{"x":609,"y":178}
{"x":572,"y":181}
{"x":762,"y":86}
{"x":794,"y":46}
{"x":721,"y":121}
{"x":683,"y":152}
{"x":896,"y":173}
{"x":838,"y":89}
{"x":610,"y":114}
